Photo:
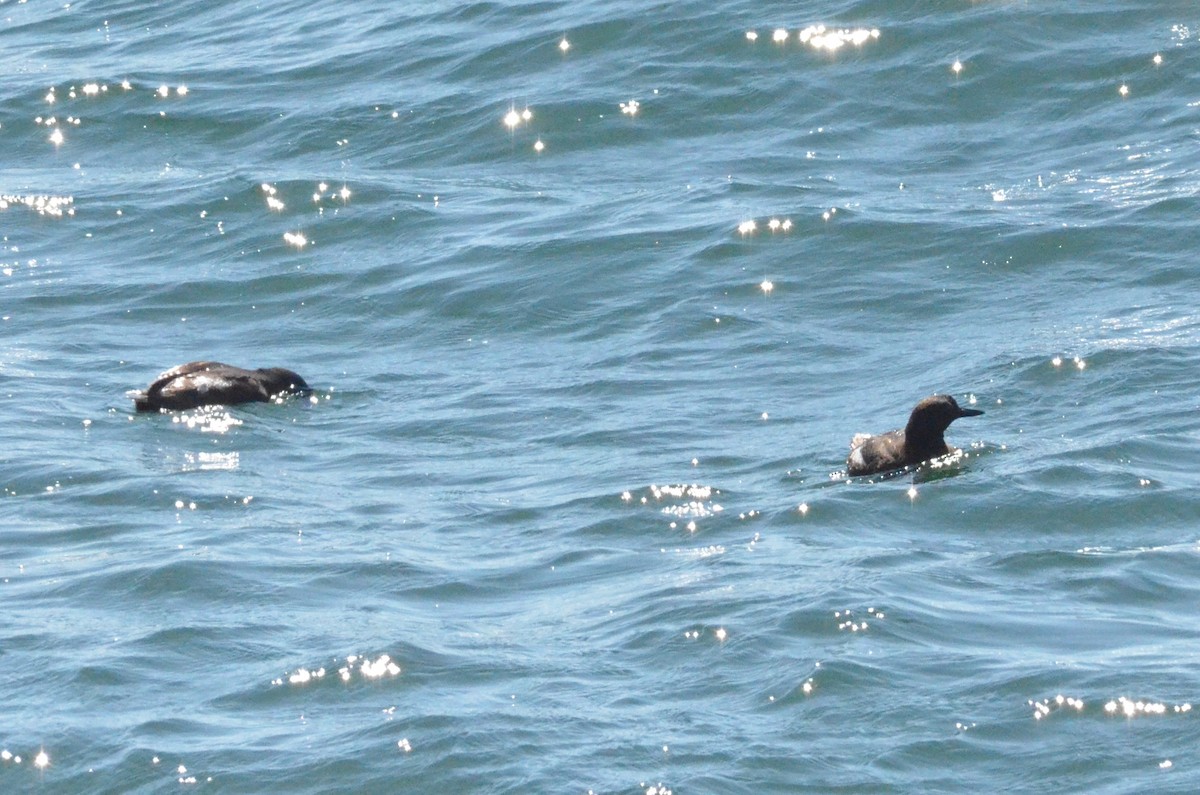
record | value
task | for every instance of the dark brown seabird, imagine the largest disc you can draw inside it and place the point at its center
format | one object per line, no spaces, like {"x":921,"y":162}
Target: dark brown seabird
{"x":197,"y":384}
{"x":922,"y":439}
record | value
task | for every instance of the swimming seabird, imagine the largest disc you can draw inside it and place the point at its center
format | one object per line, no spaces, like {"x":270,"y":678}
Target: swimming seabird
{"x":196,"y":384}
{"x":921,"y":440}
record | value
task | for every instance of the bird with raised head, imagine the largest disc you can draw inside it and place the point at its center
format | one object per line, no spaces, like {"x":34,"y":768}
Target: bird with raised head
{"x":921,"y":439}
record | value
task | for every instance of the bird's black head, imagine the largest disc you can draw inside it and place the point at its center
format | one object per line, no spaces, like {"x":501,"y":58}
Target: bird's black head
{"x":280,"y":380}
{"x":934,"y":414}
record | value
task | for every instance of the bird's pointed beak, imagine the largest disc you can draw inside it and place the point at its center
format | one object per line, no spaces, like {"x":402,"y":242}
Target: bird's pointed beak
{"x":969,"y":412}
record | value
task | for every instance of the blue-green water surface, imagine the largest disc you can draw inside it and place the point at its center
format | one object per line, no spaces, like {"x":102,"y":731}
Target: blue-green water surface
{"x":594,"y":295}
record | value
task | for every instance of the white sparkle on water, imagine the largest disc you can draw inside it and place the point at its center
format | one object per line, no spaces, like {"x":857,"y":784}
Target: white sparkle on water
{"x":1121,"y":706}
{"x":823,"y":38}
{"x":382,"y":666}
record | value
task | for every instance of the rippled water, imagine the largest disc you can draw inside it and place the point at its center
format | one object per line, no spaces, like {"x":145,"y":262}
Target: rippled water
{"x":568,"y":512}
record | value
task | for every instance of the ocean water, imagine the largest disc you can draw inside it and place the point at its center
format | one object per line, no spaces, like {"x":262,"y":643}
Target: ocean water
{"x":594,"y":295}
